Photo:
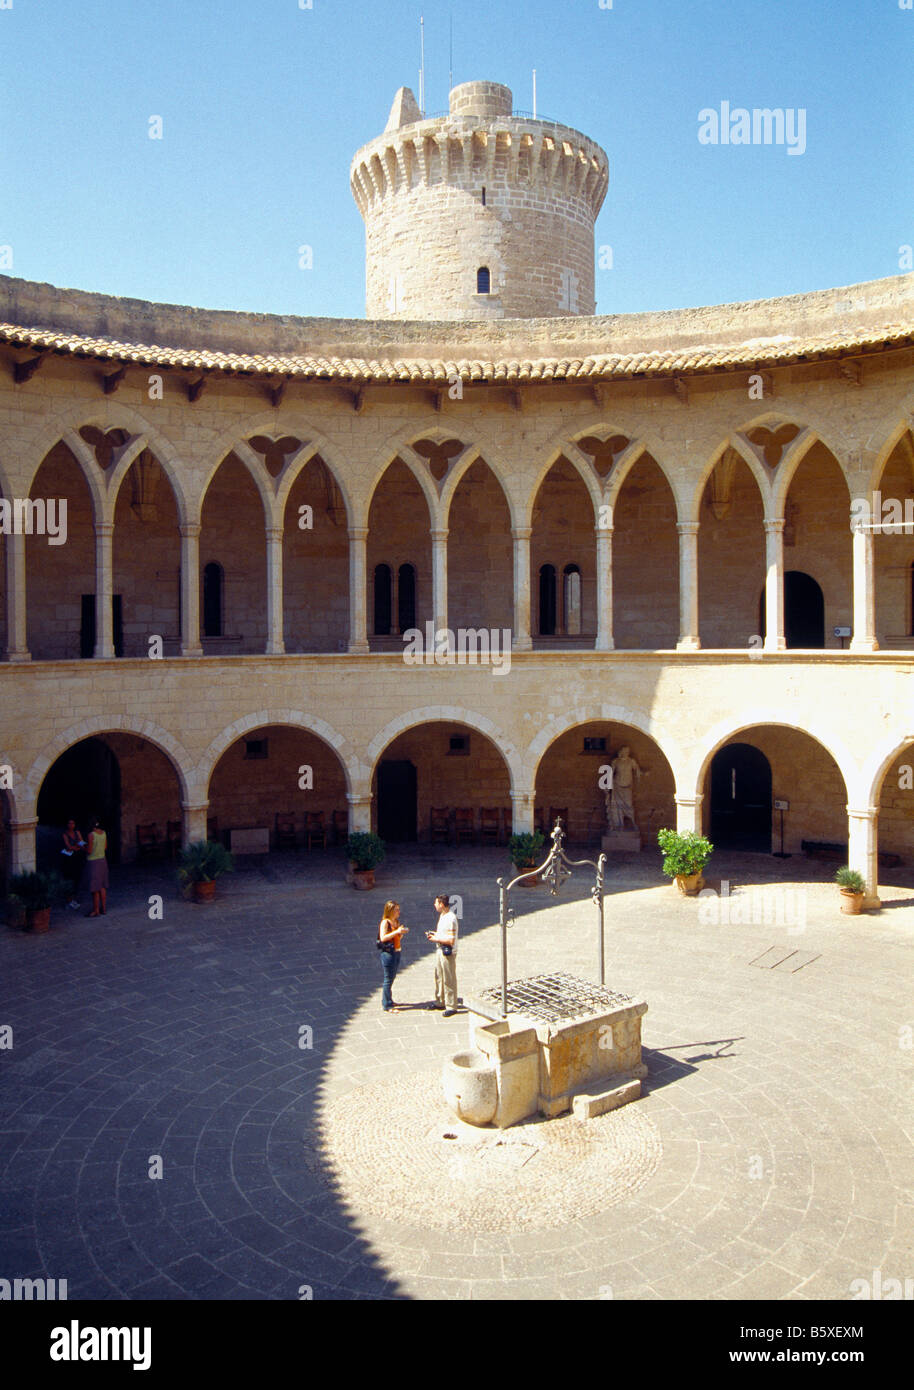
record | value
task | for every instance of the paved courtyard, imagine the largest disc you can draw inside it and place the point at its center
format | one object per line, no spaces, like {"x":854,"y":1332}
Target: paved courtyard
{"x":772,"y":1155}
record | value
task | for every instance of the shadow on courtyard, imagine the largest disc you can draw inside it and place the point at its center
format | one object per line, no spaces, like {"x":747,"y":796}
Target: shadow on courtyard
{"x":161,"y":1080}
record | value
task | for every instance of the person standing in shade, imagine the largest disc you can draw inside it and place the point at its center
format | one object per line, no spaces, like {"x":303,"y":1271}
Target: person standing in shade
{"x":445,"y":938}
{"x":72,"y":854}
{"x":390,"y":937}
{"x":95,"y":877}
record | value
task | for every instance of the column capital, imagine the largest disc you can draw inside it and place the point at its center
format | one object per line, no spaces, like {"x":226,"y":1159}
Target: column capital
{"x":359,"y":798}
{"x":194,"y":805}
{"x":274,"y":533}
{"x":104,"y":529}
{"x":439,"y":536}
{"x":869,"y":813}
{"x":29,"y":824}
{"x":774,"y":525}
{"x":357,"y":533}
{"x":695,"y":800}
{"x":190,"y":531}
{"x":606,"y":531}
{"x":520,"y":533}
{"x":687,"y":528}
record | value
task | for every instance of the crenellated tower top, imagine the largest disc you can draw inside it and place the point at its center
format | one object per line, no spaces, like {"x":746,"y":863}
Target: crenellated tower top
{"x":479,"y":213}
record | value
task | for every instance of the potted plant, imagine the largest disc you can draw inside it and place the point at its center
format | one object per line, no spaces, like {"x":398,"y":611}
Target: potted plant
{"x":201,"y":864}
{"x":365,"y":851}
{"x":853,"y":890}
{"x":15,"y":912}
{"x":685,"y":854}
{"x":524,"y":849}
{"x":36,"y":892}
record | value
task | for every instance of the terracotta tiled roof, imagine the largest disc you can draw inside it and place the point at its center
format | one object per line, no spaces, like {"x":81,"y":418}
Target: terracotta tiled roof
{"x":360,"y":370}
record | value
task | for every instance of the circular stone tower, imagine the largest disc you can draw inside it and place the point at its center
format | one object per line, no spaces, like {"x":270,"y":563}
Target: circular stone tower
{"x":479,"y":214}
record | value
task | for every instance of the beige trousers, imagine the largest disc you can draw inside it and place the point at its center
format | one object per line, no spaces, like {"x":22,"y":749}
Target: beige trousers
{"x":446,"y":979}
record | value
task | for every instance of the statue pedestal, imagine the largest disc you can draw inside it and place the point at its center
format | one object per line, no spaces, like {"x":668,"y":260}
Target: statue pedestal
{"x":622,"y":842}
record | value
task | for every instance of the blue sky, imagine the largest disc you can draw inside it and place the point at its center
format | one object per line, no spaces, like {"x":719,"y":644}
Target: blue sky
{"x":263,"y":104}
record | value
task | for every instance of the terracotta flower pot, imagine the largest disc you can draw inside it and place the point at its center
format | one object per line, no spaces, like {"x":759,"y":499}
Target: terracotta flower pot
{"x":205,"y":891}
{"x":852,"y":903}
{"x":38,"y":919}
{"x":690,"y":884}
{"x":528,"y":882}
{"x":363,"y":879}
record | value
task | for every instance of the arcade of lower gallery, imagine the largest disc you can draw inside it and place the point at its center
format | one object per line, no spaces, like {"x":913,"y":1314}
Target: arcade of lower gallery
{"x":232,"y":548}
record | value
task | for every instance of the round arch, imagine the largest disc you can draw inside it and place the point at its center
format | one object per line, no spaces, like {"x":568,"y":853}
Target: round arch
{"x":445,"y":714}
{"x":353,"y":769}
{"x":600,"y":714}
{"x":161,"y":739}
{"x":770,"y":717}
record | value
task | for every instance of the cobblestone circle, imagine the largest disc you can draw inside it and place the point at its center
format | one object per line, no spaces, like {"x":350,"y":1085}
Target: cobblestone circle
{"x":392,"y":1143}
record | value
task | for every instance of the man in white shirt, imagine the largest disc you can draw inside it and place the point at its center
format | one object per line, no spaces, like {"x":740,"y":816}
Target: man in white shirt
{"x":445,"y":938}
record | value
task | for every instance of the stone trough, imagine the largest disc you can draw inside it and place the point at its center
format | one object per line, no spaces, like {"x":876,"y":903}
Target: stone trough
{"x":565,"y":1045}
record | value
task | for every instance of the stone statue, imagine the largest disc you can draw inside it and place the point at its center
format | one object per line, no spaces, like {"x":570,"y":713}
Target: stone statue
{"x":619,"y":803}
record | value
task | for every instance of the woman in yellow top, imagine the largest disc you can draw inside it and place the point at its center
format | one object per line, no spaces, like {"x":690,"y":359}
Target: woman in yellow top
{"x":95,"y":877}
{"x":390,"y":936}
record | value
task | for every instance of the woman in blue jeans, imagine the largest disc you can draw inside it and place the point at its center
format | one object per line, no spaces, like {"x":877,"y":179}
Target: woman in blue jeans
{"x":390,"y":935}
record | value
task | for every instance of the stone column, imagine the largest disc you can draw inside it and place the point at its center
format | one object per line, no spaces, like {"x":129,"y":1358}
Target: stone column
{"x":194,"y":817}
{"x":605,"y":640}
{"x":275,"y":644}
{"x":688,"y":813}
{"x":689,"y":640}
{"x":22,"y":845}
{"x":190,"y":591}
{"x":439,"y":579}
{"x":359,"y":811}
{"x":358,"y":589}
{"x":864,"y":638}
{"x":104,"y":588}
{"x":863,"y":850}
{"x":522,"y":812}
{"x":521,"y":537}
{"x":775,"y":640}
{"x":17,"y":647}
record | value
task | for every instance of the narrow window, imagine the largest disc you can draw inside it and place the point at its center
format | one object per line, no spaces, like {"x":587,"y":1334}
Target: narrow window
{"x":547,"y":601}
{"x":406,"y":597}
{"x":212,"y":600}
{"x":572,"y":597}
{"x":483,"y":280}
{"x":383,"y":608}
{"x":483,"y":195}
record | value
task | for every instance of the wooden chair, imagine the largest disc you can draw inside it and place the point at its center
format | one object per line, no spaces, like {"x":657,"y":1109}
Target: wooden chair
{"x":286,"y":834}
{"x":489,"y":825}
{"x":148,"y":841}
{"x":440,"y":826}
{"x":340,"y":826}
{"x":314,"y":829}
{"x":464,"y":827}
{"x":173,"y":837}
{"x":212,"y":828}
{"x":507,"y":824}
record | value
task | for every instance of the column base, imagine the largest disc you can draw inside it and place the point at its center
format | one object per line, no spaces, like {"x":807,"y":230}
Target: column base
{"x":606,"y":645}
{"x":523,"y":643}
{"x":14,"y":657}
{"x":358,"y":649}
{"x":779,"y":644}
{"x":275,"y":649}
{"x":865,"y":644}
{"x":191,"y":651}
{"x":688,"y":644}
{"x":871,"y":904}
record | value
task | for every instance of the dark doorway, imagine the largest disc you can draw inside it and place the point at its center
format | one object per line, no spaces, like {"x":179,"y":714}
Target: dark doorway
{"x":741,"y":799}
{"x":87,"y":625}
{"x":213,"y":585}
{"x":406,"y":598}
{"x":383,"y":605}
{"x":84,"y":782}
{"x":397,"y":802}
{"x":547,"y":601}
{"x":804,"y":611}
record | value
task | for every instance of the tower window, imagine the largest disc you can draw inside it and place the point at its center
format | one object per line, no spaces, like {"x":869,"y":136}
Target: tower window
{"x":383,"y":600}
{"x":483,"y":195}
{"x":483,"y":280}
